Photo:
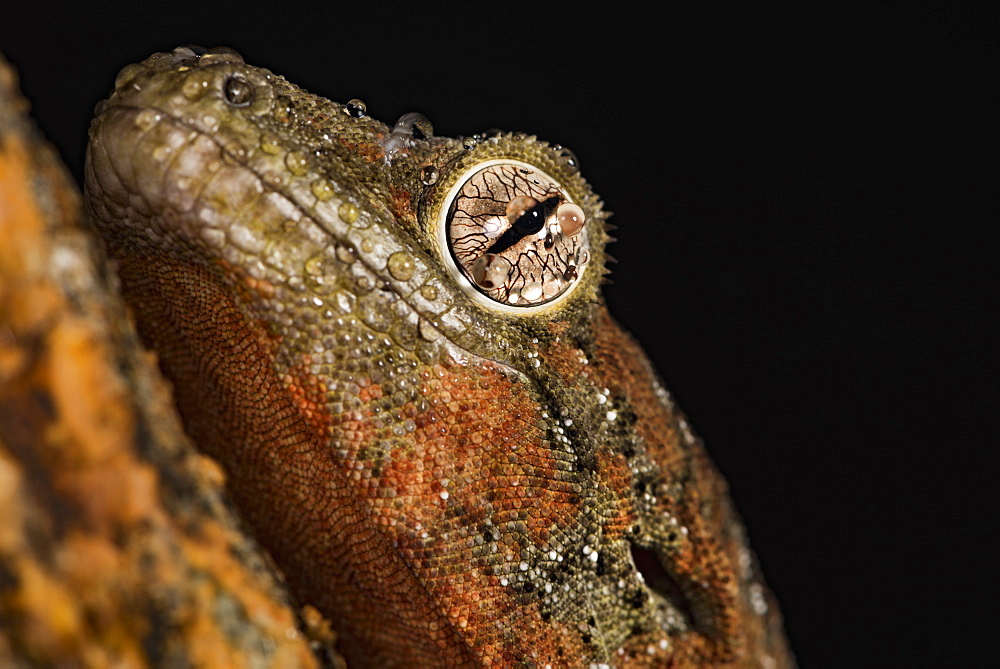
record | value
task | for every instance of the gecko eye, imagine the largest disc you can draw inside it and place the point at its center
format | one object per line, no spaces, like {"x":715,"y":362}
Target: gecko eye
{"x":514,"y":234}
{"x":238,"y":92}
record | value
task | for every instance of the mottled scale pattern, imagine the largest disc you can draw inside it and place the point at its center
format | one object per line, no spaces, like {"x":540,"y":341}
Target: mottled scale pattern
{"x":450,"y":484}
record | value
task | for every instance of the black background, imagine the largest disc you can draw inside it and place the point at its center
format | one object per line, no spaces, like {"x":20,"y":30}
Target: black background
{"x":805,"y":221}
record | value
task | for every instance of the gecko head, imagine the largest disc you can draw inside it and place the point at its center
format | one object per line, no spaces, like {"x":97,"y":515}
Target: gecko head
{"x":197,"y":149}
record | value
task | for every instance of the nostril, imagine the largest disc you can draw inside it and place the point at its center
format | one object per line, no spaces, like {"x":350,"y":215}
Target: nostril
{"x":238,"y":92}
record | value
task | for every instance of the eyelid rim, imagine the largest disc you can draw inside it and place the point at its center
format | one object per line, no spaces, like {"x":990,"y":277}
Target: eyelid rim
{"x":444,"y":250}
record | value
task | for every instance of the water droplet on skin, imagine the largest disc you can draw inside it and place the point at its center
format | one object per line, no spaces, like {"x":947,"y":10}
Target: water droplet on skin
{"x":428,"y":331}
{"x":567,"y":155}
{"x":235,"y":151}
{"x":322,"y":189}
{"x":127,"y":74}
{"x":315,"y":266}
{"x":186,"y":51}
{"x":220,"y":54}
{"x":356,"y":108}
{"x":429,"y":175}
{"x":401,"y":266}
{"x":269,"y":143}
{"x":161,"y":153}
{"x":230,"y":54}
{"x":429,"y":292}
{"x":571,"y":218}
{"x":469,"y":142}
{"x":274,"y":179}
{"x":367,"y":246}
{"x":296,"y":163}
{"x":320,"y":273}
{"x":345,"y":254}
{"x":349,"y":213}
{"x":146,"y":119}
{"x":195,"y":86}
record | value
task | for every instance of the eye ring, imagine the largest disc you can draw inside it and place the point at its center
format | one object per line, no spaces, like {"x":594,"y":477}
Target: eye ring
{"x":238,"y":92}
{"x":513,"y":237}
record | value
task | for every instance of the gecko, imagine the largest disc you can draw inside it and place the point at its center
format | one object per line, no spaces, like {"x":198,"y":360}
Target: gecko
{"x":396,"y":346}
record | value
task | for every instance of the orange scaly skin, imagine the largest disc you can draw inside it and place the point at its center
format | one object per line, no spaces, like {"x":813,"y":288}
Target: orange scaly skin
{"x":450,"y":482}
